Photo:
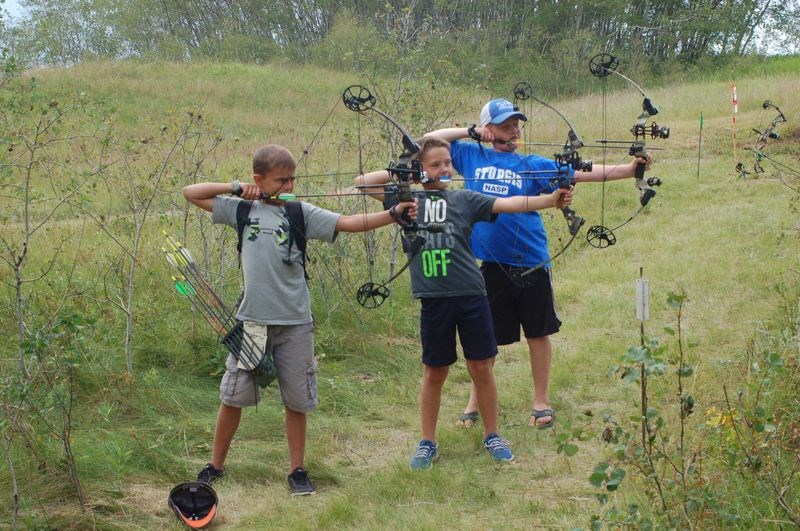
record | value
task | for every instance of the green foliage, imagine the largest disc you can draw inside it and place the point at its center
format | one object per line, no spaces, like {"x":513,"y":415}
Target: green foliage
{"x":758,"y":432}
{"x":668,"y":464}
{"x":9,"y":66}
{"x":482,"y":44}
{"x":568,"y":438}
{"x":659,"y":455}
{"x":351,"y":46}
{"x":605,"y":476}
{"x":38,"y":406}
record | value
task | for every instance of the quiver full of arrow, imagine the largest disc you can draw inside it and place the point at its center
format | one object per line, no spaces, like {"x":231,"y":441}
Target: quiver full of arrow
{"x":247,"y":344}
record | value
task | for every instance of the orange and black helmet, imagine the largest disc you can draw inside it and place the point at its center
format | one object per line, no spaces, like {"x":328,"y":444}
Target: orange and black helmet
{"x":194,"y":503}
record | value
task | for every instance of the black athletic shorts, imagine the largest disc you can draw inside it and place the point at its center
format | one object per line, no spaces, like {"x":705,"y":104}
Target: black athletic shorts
{"x":515,"y":301}
{"x":439,"y":319}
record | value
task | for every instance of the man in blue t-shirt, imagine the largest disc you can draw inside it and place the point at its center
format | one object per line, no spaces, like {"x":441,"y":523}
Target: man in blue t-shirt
{"x":517,"y":240}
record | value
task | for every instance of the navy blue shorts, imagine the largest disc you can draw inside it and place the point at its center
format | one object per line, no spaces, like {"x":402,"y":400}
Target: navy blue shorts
{"x":526,"y":301}
{"x":442,"y":316}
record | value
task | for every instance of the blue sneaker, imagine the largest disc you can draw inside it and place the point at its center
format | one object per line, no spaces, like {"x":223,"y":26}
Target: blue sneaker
{"x":498,"y":448}
{"x":427,"y":453}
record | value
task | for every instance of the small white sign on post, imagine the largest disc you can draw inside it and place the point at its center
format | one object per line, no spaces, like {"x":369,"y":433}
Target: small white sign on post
{"x":642,"y":299}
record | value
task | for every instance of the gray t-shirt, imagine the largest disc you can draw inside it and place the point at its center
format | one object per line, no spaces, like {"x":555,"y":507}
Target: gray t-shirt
{"x":446,"y":267}
{"x":275,"y":292}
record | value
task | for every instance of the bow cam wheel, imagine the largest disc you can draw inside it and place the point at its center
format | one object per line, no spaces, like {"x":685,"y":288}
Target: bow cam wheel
{"x":600,"y":237}
{"x":603,"y":64}
{"x":372,"y":295}
{"x":358,"y":98}
{"x":523,"y":91}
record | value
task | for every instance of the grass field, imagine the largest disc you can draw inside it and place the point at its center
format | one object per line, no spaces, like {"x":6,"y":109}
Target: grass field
{"x":730,"y":244}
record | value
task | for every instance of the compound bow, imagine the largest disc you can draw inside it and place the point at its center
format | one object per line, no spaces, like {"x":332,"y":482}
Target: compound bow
{"x":405,"y":171}
{"x":601,"y":66}
{"x":762,"y":139}
{"x":565,"y":159}
{"x":760,"y":143}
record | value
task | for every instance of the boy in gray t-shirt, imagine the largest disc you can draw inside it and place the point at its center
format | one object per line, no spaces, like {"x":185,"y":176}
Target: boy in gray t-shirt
{"x":275,"y":297}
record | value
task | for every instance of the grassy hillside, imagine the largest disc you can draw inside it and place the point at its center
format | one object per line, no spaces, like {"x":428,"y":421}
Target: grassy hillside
{"x":730,"y":244}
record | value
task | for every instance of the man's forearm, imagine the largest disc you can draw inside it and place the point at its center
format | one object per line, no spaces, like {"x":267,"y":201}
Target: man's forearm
{"x":449,"y":134}
{"x":603,"y":172}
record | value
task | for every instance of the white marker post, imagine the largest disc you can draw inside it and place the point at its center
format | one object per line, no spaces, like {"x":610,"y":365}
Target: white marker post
{"x":642,"y":299}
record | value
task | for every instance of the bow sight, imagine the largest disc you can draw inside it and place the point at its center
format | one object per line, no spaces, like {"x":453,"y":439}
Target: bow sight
{"x":410,"y":171}
{"x":654,"y":130}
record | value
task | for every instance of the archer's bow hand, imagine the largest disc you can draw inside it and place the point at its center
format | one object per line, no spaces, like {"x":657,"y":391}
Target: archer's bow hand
{"x":404,"y":213}
{"x":647,"y":160}
{"x":563,"y":197}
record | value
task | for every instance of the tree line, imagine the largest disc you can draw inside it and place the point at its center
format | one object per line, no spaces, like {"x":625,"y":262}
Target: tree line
{"x":456,"y":40}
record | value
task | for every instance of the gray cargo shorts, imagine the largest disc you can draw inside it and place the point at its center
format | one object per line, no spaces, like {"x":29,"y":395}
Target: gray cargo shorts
{"x":292,"y":348}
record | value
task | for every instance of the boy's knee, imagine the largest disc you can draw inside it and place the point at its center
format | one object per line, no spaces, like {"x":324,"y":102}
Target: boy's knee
{"x":435,"y":375}
{"x":480,"y":368}
{"x":291,"y":412}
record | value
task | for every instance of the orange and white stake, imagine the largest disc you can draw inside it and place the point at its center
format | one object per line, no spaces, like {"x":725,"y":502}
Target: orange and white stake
{"x":735,"y":103}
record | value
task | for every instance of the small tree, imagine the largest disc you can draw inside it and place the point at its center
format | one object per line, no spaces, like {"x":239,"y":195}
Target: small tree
{"x":134,"y":190}
{"x":656,"y":452}
{"x":46,"y":162}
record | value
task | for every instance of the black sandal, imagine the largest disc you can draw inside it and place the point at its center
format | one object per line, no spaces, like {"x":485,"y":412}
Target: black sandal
{"x":471,"y":416}
{"x":541,"y":413}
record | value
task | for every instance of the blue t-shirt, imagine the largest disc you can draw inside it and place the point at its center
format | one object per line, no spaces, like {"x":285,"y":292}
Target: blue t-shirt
{"x":517,"y":239}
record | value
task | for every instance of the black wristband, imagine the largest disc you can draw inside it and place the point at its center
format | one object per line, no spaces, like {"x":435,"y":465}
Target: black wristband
{"x":395,"y":216}
{"x":473,"y":133}
{"x":236,"y":188}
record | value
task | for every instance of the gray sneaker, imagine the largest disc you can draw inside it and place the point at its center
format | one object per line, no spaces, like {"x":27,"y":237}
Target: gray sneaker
{"x":427,"y":452}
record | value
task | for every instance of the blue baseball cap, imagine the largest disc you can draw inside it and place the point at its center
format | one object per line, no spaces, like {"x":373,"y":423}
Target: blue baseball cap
{"x":498,"y":111}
